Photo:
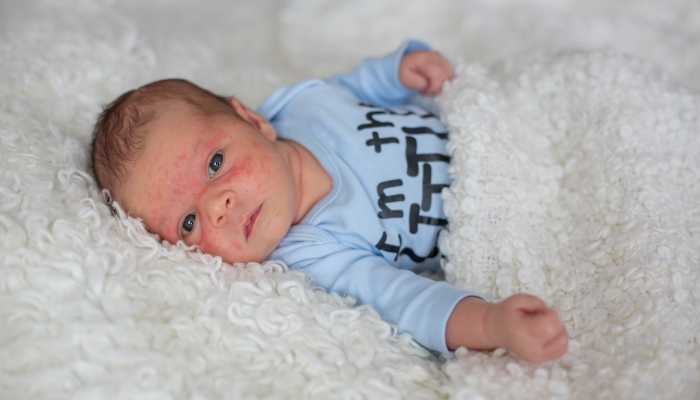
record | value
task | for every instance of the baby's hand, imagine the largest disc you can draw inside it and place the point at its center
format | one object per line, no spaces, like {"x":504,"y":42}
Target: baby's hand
{"x":424,"y":70}
{"x":525,"y":325}
{"x":521,"y":323}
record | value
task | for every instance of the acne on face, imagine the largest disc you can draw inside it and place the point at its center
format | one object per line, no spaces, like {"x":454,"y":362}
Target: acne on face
{"x":171,"y":180}
{"x":210,"y":241}
{"x":242,"y":169}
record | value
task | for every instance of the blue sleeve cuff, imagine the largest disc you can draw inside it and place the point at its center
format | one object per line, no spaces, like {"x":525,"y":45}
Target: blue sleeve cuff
{"x":392,"y":63}
{"x":376,"y":80}
{"x":436,"y":326}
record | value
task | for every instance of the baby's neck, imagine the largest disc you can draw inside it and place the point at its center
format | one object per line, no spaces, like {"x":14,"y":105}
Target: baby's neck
{"x":311,"y":181}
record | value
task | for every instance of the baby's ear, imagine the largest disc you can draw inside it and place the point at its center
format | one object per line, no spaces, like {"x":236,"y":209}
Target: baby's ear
{"x":253,"y":118}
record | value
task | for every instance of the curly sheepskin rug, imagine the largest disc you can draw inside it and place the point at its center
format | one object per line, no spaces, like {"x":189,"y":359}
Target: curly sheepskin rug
{"x":575,"y":144}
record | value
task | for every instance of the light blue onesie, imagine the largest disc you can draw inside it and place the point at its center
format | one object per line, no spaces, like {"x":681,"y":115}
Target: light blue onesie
{"x":380,"y":222}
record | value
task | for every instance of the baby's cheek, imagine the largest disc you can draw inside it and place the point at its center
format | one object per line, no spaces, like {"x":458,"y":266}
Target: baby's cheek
{"x":219,"y":245}
{"x":245,"y":167}
{"x":248,"y":171}
{"x":209,"y":243}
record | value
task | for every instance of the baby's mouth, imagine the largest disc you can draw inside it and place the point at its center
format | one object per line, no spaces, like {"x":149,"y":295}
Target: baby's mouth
{"x":250,"y":224}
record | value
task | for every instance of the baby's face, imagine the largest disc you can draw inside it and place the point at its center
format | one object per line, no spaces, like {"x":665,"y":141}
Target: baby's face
{"x":219,"y":183}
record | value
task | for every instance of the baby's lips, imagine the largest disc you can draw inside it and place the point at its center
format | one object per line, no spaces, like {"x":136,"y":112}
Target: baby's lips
{"x":251,"y":219}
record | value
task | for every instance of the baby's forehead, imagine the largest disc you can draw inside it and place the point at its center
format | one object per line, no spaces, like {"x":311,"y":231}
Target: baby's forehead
{"x":163,"y":115}
{"x":181,"y":122}
{"x":179,"y":130}
{"x":188,"y":109}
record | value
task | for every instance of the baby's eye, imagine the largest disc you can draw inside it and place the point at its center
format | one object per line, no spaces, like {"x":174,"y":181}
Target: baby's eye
{"x":188,"y":224}
{"x":215,"y":164}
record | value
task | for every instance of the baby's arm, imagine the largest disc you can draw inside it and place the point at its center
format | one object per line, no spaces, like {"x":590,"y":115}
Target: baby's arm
{"x":389,"y":80}
{"x":521,"y":323}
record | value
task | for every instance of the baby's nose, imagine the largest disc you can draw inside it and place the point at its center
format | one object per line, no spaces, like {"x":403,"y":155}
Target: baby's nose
{"x":220,"y":207}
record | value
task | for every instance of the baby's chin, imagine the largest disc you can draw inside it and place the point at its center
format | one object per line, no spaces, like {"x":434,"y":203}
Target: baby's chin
{"x":258,"y":257}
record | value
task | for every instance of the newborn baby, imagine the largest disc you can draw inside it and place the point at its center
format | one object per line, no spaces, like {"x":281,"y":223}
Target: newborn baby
{"x":339,"y":177}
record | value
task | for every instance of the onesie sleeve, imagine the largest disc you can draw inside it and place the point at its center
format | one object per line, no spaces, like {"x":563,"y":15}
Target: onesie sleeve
{"x":417,"y":305}
{"x":376,"y":80}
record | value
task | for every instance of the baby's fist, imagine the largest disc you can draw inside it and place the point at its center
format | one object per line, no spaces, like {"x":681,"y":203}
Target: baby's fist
{"x":530,"y":328}
{"x":424,"y":70}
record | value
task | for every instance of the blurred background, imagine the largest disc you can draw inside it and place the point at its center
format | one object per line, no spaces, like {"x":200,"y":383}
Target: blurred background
{"x":252,"y":47}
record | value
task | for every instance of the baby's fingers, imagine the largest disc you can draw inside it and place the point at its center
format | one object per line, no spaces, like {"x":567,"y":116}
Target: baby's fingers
{"x":415,"y":81}
{"x":539,"y":350}
{"x":436,"y":75}
{"x":424,"y":70}
{"x":545,"y":324}
{"x":549,"y":335}
{"x":556,"y":346}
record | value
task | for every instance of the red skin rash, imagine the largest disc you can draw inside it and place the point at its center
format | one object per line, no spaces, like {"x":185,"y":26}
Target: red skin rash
{"x":171,"y":180}
{"x":209,"y":241}
{"x":242,"y":170}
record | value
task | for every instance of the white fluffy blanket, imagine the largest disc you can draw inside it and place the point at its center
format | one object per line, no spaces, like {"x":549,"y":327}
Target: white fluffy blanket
{"x":576,"y":178}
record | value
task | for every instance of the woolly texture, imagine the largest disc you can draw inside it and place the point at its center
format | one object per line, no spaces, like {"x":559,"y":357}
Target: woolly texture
{"x":576,"y":178}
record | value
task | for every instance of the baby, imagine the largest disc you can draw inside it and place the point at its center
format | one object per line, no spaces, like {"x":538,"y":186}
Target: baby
{"x":338,"y":177}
